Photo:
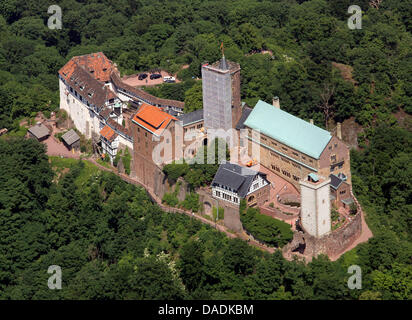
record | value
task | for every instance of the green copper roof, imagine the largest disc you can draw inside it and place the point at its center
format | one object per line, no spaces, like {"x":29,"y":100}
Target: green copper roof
{"x":288,"y":129}
{"x":314,"y":176}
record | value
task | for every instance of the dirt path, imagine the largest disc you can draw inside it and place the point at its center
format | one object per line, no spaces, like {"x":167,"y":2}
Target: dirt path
{"x":194,"y":215}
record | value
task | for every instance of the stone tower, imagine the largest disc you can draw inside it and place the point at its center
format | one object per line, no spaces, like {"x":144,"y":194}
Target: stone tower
{"x":315,"y":205}
{"x":222,"y":106}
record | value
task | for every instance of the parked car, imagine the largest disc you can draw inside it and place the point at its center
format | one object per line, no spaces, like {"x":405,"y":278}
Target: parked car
{"x":169,"y":79}
{"x":155,"y":76}
{"x":142,"y":76}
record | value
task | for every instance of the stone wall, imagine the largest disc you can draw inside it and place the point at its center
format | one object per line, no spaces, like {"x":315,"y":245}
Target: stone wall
{"x":259,"y":197}
{"x":336,"y":242}
{"x":341,"y":151}
{"x":232,"y":217}
{"x":333,"y":244}
{"x":289,"y":170}
{"x":183,"y":189}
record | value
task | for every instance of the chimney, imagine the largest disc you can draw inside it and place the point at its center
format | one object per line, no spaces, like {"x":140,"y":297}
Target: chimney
{"x":276,"y":102}
{"x":311,"y":121}
{"x":339,"y":130}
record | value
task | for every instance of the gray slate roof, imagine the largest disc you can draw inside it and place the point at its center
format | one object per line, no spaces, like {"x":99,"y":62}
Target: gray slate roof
{"x":71,"y":137}
{"x":347,"y":201}
{"x":335,"y":181}
{"x":235,"y":177}
{"x":39,"y":131}
{"x":245,"y":113}
{"x":191,"y":117}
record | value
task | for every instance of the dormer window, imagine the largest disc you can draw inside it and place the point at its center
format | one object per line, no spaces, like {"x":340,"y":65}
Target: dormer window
{"x":90,"y":94}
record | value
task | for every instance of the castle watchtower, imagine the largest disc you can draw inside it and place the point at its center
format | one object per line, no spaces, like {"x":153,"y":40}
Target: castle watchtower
{"x":222,"y":107}
{"x":315,"y":205}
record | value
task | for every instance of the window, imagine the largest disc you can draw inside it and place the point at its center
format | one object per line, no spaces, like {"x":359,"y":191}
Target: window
{"x":274,"y":154}
{"x":296,"y":178}
{"x":295,"y":154}
{"x":330,"y":148}
{"x":333,"y":158}
{"x":286,"y":173}
{"x":336,"y":145}
{"x":285,"y":160}
{"x":275,"y":168}
{"x":286,"y":149}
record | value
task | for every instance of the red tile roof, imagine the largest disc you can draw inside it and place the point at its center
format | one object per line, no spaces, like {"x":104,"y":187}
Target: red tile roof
{"x":97,"y":64}
{"x":108,"y":133}
{"x":76,"y":74}
{"x":118,"y":127}
{"x":152,"y":118}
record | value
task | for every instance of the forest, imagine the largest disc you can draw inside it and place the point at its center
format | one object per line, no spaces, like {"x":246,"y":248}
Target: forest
{"x":109,"y":239}
{"x":112,"y":242}
{"x":307,"y":40}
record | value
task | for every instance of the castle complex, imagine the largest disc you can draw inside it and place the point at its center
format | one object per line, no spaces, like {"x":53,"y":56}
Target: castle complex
{"x":117,"y":116}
